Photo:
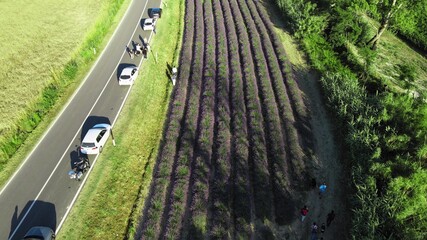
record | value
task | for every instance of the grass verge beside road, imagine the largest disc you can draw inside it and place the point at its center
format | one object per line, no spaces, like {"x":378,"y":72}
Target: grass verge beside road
{"x":112,"y":199}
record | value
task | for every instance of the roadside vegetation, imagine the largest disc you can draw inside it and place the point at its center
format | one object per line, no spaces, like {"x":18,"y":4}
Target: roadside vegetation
{"x":111,"y":201}
{"x":46,"y":51}
{"x":375,"y":86}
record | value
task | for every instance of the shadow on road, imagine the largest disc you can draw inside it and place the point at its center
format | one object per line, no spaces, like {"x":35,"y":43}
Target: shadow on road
{"x":41,"y":214}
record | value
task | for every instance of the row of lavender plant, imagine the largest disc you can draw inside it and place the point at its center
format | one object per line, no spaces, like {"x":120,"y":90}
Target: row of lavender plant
{"x":299,"y":107}
{"x":154,"y":205}
{"x":261,"y":179}
{"x":196,"y":222}
{"x":274,"y":132}
{"x":177,"y":200}
{"x":296,"y":152}
{"x":243,"y":205}
{"x":221,"y":224}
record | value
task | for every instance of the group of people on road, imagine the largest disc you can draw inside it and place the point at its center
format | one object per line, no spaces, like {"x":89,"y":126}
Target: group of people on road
{"x":329,"y":218}
{"x":139,"y":49}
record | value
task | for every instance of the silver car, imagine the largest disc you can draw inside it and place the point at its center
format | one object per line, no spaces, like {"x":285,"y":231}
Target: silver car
{"x":128,"y":76}
{"x":95,"y":139}
{"x":149,"y":24}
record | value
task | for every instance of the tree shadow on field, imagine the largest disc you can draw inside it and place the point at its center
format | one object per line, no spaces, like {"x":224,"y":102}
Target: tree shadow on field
{"x":41,"y":214}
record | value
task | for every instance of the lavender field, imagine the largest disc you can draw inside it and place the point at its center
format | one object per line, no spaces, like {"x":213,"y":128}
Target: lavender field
{"x":235,"y":140}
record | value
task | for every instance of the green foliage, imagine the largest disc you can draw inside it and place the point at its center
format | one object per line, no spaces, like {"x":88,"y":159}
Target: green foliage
{"x":407,"y":74}
{"x":348,"y":26}
{"x":385,"y":133}
{"x":302,"y":16}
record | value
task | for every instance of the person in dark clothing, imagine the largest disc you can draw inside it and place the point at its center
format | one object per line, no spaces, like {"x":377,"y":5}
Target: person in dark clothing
{"x":330,"y":218}
{"x":323,"y":228}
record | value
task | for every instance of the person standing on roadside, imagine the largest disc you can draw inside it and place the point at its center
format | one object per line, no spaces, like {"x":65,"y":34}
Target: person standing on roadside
{"x":322,"y":190}
{"x":304,"y":212}
{"x":330,"y":218}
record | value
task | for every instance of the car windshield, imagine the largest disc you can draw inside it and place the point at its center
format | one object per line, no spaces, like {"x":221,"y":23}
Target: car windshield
{"x":88,"y":145}
{"x":125,"y":77}
{"x":148,"y":23}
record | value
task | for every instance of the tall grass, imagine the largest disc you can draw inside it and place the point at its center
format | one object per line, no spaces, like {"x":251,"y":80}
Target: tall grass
{"x":36,"y":76}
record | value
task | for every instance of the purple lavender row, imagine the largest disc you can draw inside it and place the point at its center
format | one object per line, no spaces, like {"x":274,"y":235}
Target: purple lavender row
{"x":220,"y":224}
{"x":155,"y":202}
{"x":275,"y":132}
{"x":243,"y":204}
{"x":261,"y":179}
{"x":243,"y":200}
{"x":288,"y":170}
{"x":196,"y":222}
{"x":300,"y":111}
{"x":177,"y":200}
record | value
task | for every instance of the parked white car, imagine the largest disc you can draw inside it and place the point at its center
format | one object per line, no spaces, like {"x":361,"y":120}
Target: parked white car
{"x":149,"y":24}
{"x":128,"y":76}
{"x":95,"y":139}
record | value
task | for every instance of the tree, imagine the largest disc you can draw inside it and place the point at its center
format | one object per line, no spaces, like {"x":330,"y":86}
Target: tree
{"x":387,"y":9}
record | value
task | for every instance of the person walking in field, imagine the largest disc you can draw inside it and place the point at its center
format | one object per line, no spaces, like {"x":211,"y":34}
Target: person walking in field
{"x":330,"y":218}
{"x":322,"y":190}
{"x":304,"y":212}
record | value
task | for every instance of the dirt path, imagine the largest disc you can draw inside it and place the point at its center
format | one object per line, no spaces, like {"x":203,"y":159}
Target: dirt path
{"x":326,"y":165}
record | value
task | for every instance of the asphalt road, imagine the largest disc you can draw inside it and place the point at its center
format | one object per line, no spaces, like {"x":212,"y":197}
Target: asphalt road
{"x":40,"y":192}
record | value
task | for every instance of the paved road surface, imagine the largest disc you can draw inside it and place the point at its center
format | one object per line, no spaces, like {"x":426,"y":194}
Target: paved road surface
{"x":41,"y":192}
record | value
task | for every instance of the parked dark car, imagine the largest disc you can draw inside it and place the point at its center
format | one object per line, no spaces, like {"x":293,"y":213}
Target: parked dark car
{"x":40,"y":233}
{"x":155,"y":13}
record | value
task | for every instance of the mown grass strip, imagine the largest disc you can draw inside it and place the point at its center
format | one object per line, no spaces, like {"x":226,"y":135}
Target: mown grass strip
{"x":111,"y":201}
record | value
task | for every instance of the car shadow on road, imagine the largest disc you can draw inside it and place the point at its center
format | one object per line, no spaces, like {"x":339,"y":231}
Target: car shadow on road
{"x":41,"y":214}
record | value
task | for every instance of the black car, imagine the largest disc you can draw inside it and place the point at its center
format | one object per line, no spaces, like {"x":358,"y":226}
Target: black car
{"x":40,"y":233}
{"x":155,"y":13}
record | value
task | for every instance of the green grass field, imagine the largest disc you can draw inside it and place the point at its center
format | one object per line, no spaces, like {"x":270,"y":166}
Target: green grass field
{"x":37,"y":38}
{"x":113,"y":197}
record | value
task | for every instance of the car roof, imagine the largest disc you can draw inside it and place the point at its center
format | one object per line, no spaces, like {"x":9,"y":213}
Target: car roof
{"x":127,"y":71}
{"x":148,"y":20}
{"x":94,"y":131}
{"x":44,"y":232}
